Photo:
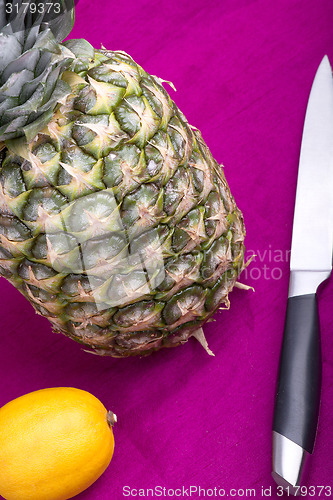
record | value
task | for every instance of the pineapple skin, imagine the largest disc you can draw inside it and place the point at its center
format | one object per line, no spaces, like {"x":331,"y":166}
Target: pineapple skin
{"x":116,"y":222}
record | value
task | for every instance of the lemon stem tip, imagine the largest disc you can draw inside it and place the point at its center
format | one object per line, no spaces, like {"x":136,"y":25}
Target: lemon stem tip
{"x":111,"y":418}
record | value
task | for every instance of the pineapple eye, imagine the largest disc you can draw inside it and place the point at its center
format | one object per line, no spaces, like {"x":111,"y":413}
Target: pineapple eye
{"x":128,"y":117}
{"x":12,"y":180}
{"x":47,"y":199}
{"x":45,"y":151}
{"x":13,"y":229}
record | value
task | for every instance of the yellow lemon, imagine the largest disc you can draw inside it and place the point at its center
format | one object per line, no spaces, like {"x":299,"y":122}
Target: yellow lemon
{"x":54,"y":443}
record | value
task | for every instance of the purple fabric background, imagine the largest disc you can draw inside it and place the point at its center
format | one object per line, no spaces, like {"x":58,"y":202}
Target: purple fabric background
{"x":243,"y":71}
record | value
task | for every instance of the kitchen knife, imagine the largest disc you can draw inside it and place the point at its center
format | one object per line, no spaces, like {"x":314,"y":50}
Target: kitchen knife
{"x":299,"y":380}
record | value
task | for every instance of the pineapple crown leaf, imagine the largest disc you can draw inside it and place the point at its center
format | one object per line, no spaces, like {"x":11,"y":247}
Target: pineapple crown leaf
{"x":32,"y":61}
{"x":22,"y":15}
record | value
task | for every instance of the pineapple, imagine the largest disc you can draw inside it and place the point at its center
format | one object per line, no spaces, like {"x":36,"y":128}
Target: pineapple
{"x":116,"y":222}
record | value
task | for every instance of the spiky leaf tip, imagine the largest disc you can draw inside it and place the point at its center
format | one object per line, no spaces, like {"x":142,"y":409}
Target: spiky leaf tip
{"x":32,"y":61}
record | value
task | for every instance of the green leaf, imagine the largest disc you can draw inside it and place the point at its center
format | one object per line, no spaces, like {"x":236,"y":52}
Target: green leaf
{"x":10,"y":49}
{"x":36,"y":126}
{"x":61,"y":25}
{"x":80,"y":48}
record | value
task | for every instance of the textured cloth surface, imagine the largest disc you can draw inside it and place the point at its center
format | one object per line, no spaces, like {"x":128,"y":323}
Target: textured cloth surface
{"x":243,"y":72}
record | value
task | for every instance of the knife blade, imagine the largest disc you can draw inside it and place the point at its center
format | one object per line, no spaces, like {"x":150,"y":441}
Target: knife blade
{"x":299,"y":380}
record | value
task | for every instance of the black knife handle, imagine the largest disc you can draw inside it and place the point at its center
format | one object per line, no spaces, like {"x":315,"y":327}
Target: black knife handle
{"x":299,"y":382}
